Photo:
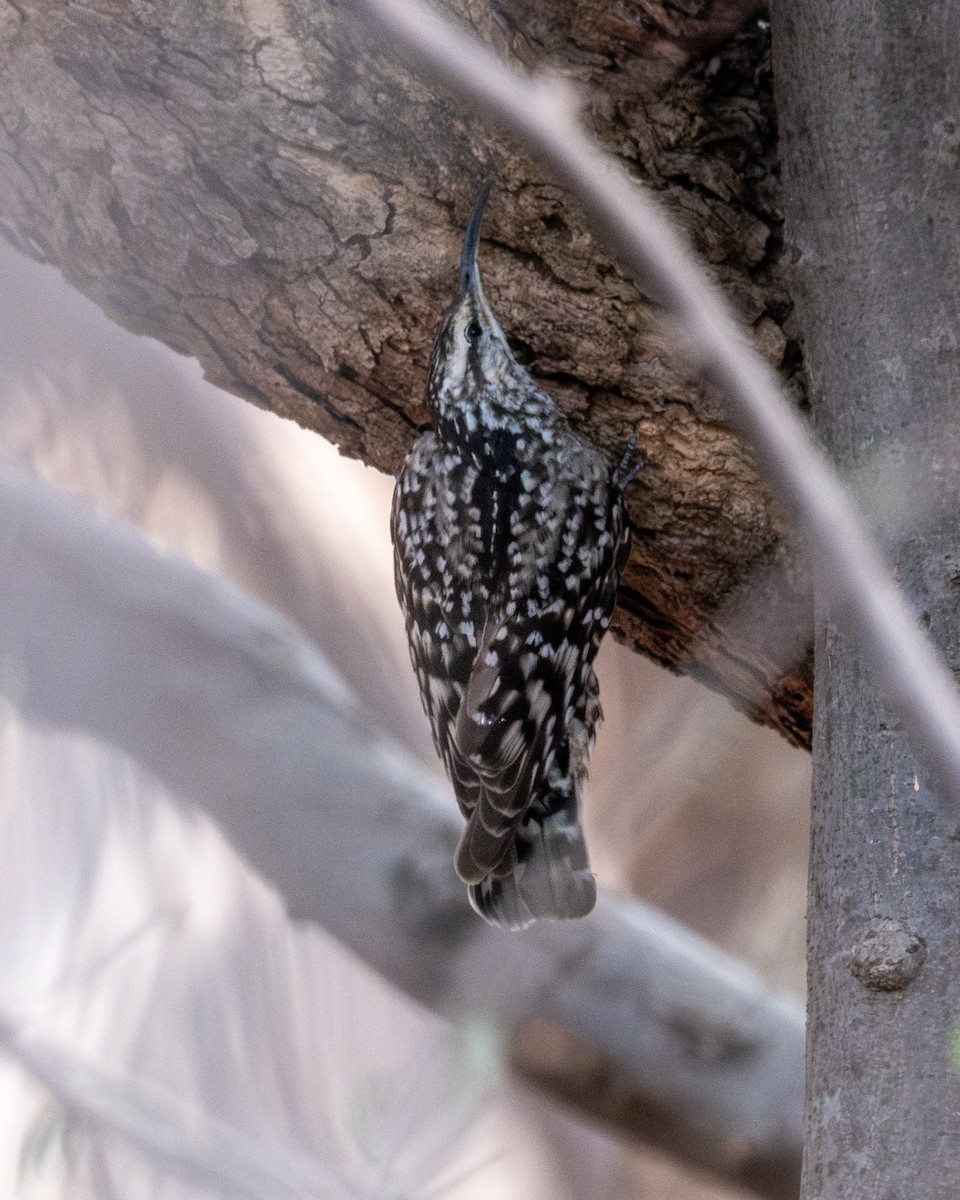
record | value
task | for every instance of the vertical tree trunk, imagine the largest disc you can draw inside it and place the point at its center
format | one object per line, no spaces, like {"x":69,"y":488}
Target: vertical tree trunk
{"x":870,"y":128}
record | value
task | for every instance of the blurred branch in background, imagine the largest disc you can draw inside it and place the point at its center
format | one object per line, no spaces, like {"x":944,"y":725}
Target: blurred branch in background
{"x":158,"y":986}
{"x":176,"y":1138}
{"x":541,"y":113}
{"x":232,"y":706}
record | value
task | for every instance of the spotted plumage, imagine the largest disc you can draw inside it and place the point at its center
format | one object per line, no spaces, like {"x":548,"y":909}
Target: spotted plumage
{"x":509,"y":535}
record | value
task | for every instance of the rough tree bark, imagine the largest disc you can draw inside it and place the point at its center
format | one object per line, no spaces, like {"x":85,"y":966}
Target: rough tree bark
{"x":869,"y":110}
{"x":250,"y":184}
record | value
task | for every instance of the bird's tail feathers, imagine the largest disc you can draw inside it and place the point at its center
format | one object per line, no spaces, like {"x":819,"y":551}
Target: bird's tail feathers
{"x":552,"y":878}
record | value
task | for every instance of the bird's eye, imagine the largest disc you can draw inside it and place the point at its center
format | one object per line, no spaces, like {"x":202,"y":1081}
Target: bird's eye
{"x":473,"y":331}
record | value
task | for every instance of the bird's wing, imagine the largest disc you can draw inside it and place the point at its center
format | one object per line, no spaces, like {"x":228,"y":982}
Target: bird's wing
{"x":506,"y":737}
{"x":500,"y":690}
{"x":531,"y":680}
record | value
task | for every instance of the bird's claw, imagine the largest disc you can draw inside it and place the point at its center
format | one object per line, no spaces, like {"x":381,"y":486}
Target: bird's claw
{"x":632,"y":461}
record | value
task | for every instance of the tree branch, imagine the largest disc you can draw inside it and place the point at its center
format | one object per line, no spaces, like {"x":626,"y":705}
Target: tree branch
{"x":199,"y":1149}
{"x":540,"y":113}
{"x":253,"y":186}
{"x":232,"y":706}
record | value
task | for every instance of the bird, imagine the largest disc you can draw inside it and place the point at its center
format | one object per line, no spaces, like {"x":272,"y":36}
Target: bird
{"x":510,"y":535}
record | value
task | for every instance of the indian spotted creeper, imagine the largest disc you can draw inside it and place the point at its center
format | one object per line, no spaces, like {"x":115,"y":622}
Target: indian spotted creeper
{"x":509,"y":535}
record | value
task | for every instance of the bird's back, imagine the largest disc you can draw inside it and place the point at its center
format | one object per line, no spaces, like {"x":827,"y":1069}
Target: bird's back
{"x":508,"y":551}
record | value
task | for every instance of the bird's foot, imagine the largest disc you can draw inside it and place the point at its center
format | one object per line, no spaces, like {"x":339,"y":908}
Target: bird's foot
{"x":632,"y":461}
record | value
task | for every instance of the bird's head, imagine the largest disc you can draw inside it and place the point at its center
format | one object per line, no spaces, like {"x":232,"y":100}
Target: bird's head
{"x":471,"y":363}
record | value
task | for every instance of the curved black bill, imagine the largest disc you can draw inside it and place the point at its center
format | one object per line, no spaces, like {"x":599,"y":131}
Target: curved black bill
{"x":471,"y":239}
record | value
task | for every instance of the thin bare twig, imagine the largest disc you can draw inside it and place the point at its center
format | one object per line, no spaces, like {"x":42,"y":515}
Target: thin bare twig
{"x":541,"y":113}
